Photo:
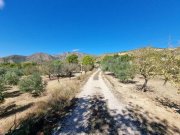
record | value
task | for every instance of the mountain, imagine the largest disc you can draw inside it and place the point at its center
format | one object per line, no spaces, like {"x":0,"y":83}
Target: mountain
{"x":13,"y":59}
{"x":38,"y":57}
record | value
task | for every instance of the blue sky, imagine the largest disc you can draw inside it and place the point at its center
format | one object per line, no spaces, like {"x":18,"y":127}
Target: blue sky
{"x":92,"y":26}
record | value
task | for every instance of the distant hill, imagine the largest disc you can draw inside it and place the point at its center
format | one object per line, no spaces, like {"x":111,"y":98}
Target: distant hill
{"x":13,"y":59}
{"x":38,"y":57}
{"x":176,"y":50}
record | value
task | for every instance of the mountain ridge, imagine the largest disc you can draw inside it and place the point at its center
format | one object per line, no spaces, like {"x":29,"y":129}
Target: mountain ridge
{"x":43,"y":57}
{"x":38,"y":57}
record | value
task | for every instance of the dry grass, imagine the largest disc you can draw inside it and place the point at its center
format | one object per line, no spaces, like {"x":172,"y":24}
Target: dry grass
{"x":60,"y":97}
{"x":57,"y":96}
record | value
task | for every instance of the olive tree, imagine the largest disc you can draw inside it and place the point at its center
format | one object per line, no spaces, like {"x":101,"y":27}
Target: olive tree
{"x":147,"y":64}
{"x":175,"y":77}
{"x":87,"y":68}
{"x":72,"y":58}
{"x":88,"y":60}
{"x":48,"y":69}
{"x":123,"y":68}
{"x":106,"y":62}
{"x":33,"y":84}
{"x":57,"y":68}
{"x":69,"y":68}
{"x":87,"y":63}
{"x":167,"y":65}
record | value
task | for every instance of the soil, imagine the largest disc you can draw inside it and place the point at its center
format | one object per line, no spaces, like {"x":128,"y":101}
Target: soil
{"x":161,"y":103}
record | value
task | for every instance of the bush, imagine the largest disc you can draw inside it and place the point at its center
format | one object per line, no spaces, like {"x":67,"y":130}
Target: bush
{"x":18,"y":71}
{"x":1,"y":89}
{"x":87,"y":68}
{"x":121,"y":66}
{"x":33,"y":84}
{"x":11,"y":78}
{"x":69,"y":68}
{"x":88,"y":60}
{"x":88,"y":63}
{"x":123,"y":70}
{"x":2,"y":71}
{"x":106,"y":63}
{"x":72,"y":58}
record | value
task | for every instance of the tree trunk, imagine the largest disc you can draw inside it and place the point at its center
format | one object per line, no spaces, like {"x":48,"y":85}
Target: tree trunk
{"x":145,"y":85}
{"x":165,"y":81}
{"x":49,"y":76}
{"x":58,"y":76}
{"x":70,"y":74}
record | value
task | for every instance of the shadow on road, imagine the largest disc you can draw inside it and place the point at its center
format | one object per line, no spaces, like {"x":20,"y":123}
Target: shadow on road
{"x":103,"y":121}
{"x":91,"y":115}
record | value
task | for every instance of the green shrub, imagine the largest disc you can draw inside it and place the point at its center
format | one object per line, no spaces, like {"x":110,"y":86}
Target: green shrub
{"x":106,"y":63}
{"x":2,"y":87}
{"x":18,"y":71}
{"x":72,"y":58}
{"x":29,"y":70}
{"x":87,"y":68}
{"x":121,"y":66}
{"x":88,"y":63}
{"x":11,"y":78}
{"x":33,"y":84}
{"x":88,"y":60}
{"x":2,"y":71}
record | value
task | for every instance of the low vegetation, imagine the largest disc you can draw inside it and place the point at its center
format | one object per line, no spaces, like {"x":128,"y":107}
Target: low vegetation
{"x":33,"y":84}
{"x":121,"y":66}
{"x":11,"y":78}
{"x":2,"y":87}
{"x":88,"y":63}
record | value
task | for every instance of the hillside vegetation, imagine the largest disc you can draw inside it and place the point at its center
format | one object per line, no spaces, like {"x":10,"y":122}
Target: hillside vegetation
{"x":148,"y":62}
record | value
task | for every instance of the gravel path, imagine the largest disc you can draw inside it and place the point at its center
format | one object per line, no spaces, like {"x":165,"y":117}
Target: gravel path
{"x":97,"y":111}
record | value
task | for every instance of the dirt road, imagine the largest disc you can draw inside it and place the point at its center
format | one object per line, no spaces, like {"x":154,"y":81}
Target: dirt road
{"x":99,"y":111}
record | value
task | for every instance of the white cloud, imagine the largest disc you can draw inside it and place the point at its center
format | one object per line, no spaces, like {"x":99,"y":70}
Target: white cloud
{"x":1,"y":4}
{"x":75,"y":50}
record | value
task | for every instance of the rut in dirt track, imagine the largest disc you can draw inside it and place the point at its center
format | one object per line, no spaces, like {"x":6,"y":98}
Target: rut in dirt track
{"x":98,"y":111}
